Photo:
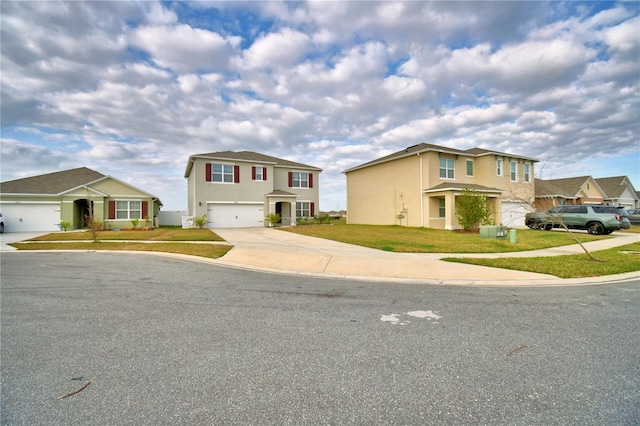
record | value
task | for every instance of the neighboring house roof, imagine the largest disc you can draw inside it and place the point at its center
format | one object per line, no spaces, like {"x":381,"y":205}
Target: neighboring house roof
{"x":566,"y":188}
{"x":425,"y":147}
{"x":614,"y":187}
{"x":247,"y":156}
{"x":51,"y":183}
{"x":57,"y":183}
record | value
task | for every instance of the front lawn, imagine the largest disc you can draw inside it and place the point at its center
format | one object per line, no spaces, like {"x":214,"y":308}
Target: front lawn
{"x":616,"y":260}
{"x":426,"y":240}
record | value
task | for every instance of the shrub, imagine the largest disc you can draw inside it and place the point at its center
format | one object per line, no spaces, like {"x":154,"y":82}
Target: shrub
{"x":472,"y":210}
{"x":324,"y":219}
{"x":200,"y":221}
{"x":65,"y":224}
{"x":135,"y":221}
{"x":273,"y":218}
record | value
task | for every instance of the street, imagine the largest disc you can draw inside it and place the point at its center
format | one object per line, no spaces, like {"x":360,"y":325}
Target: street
{"x":162,"y":340}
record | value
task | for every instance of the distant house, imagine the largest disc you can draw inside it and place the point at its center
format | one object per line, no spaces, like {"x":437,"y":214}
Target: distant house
{"x":418,"y":186}
{"x":573,"y":190}
{"x":40,"y":203}
{"x":617,"y":191}
{"x":240,"y":189}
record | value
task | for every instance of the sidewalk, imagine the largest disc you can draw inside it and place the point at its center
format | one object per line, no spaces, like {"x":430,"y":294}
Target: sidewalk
{"x":270,"y":250}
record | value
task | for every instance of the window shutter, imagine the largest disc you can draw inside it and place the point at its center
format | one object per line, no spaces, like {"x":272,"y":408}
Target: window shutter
{"x":264,"y":173}
{"x":145,"y":209}
{"x":112,"y":209}
{"x":236,"y":174}
{"x":253,"y":173}
{"x":208,"y":177}
{"x":310,"y":180}
{"x":290,"y":179}
{"x":313,"y":209}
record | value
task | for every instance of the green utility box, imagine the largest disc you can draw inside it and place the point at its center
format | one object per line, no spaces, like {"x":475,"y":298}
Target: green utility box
{"x":496,"y":232}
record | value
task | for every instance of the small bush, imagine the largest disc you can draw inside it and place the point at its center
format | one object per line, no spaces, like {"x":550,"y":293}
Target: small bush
{"x":64,"y":225}
{"x":200,"y":221}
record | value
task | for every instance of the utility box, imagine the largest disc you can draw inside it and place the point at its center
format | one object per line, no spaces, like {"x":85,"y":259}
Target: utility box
{"x":493,"y":231}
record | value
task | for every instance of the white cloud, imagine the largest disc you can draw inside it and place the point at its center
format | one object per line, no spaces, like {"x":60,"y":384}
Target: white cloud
{"x":275,"y":50}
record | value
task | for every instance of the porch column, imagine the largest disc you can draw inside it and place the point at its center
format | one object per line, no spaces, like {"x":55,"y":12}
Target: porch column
{"x":293,"y":214}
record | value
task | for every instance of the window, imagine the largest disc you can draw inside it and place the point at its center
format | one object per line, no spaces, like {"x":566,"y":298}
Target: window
{"x":447,"y":168}
{"x":304,"y":209}
{"x":300,"y":180}
{"x":441,"y":209}
{"x":259,"y":173}
{"x":222,"y":173}
{"x":514,"y":171}
{"x":499,"y":166}
{"x":527,"y":172}
{"x":128,"y":210}
{"x":469,"y":167}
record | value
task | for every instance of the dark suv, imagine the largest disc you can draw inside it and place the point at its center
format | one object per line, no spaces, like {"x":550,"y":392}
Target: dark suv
{"x":596,"y":219}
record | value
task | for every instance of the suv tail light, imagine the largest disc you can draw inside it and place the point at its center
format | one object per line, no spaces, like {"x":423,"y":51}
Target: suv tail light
{"x":618,"y":217}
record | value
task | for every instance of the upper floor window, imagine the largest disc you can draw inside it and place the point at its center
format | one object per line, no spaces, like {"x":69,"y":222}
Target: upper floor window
{"x":514,"y":171}
{"x":447,"y":170}
{"x":128,"y":210}
{"x":259,"y":173}
{"x":527,"y":172}
{"x":499,"y":166}
{"x":469,"y":167}
{"x":222,"y":173}
{"x":300,"y":180}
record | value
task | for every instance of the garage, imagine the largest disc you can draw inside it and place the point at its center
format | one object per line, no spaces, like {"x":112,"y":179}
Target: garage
{"x":513,"y":213}
{"x":31,"y":217}
{"x":235,"y":215}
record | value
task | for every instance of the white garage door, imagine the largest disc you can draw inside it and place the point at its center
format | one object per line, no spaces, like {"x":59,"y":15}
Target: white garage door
{"x":235,"y":215}
{"x":25,"y":217}
{"x":513,"y":213}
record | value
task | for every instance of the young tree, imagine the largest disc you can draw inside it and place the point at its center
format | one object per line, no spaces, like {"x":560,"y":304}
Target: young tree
{"x":473,"y":209}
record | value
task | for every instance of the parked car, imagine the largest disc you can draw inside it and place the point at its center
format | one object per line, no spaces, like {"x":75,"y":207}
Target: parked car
{"x":596,"y":219}
{"x":634,"y":217}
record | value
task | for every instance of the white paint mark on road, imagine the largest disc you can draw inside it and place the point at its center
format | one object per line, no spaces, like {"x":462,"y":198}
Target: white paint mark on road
{"x":430,"y":315}
{"x":397,"y":320}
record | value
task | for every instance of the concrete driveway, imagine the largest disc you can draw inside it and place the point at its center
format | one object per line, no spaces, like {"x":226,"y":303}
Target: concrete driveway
{"x":14,"y":237}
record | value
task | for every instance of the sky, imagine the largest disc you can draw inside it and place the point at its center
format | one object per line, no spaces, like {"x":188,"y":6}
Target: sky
{"x":132,"y":89}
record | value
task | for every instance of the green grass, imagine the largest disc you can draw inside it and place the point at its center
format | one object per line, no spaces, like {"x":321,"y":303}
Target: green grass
{"x":426,"y":240}
{"x":613,"y":261}
{"x":163,"y":233}
{"x":212,"y":251}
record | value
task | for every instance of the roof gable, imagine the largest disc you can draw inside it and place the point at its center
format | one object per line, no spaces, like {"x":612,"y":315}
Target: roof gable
{"x":51,"y":183}
{"x":615,"y":187}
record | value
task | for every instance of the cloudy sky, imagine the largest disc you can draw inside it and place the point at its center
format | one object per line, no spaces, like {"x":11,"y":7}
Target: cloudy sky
{"x":131,"y":89}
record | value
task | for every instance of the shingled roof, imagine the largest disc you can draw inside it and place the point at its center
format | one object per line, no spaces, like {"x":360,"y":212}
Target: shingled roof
{"x":247,"y":156}
{"x":51,"y":183}
{"x":567,"y":187}
{"x":614,"y":187}
{"x":425,"y":147}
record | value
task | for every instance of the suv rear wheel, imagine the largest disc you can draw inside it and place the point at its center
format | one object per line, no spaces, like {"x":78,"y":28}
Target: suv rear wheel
{"x":595,"y":228}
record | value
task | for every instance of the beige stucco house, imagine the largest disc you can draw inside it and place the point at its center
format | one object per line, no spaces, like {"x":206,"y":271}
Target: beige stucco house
{"x":40,"y":203}
{"x":240,"y":189}
{"x":418,"y":186}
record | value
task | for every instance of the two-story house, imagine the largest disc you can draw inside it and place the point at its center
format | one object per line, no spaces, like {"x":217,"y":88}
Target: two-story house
{"x":240,"y":189}
{"x":417,"y":186}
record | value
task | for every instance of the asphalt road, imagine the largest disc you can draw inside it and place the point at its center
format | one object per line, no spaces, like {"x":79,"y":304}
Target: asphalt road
{"x":169,"y":341}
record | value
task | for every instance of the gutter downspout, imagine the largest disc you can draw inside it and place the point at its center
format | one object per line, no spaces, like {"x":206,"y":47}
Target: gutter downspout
{"x":421,"y":194}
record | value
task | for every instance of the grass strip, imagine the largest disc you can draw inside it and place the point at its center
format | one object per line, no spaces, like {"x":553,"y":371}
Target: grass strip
{"x":158,"y":234}
{"x":616,"y":260}
{"x":211,"y":251}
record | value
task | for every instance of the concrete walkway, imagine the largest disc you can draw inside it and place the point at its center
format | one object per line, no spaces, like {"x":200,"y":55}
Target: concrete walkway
{"x":277,"y":251}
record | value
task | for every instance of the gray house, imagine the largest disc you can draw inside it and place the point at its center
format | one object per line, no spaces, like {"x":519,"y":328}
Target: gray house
{"x":240,"y":189}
